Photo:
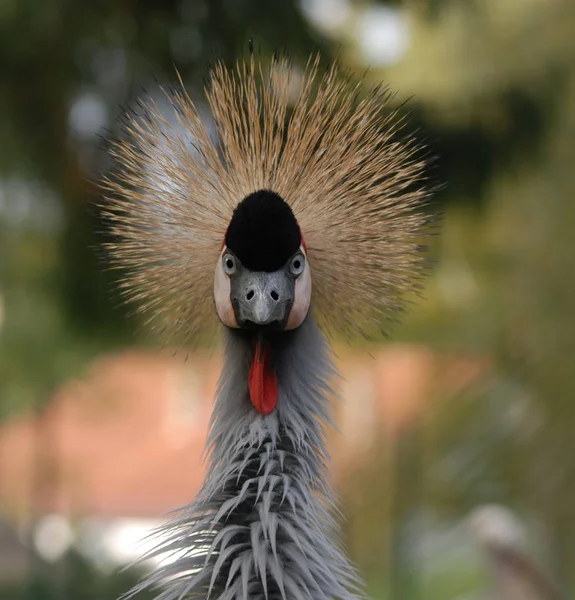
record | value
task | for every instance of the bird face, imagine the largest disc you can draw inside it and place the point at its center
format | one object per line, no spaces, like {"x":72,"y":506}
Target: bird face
{"x":262,"y":280}
{"x":259,"y":300}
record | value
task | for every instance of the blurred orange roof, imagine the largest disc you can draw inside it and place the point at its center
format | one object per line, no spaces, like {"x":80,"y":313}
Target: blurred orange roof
{"x":128,"y":440}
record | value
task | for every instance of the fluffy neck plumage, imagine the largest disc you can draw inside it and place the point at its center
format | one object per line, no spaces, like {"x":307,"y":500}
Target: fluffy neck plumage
{"x":261,"y":528}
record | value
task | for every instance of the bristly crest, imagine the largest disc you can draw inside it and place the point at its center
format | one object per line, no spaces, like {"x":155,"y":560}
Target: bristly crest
{"x":334,"y":154}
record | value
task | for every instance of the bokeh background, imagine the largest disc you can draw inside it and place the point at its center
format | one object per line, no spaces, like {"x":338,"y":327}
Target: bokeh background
{"x":455,"y":463}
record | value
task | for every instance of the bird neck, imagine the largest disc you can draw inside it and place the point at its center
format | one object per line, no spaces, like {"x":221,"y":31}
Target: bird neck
{"x":301,"y":361}
{"x":261,"y":527}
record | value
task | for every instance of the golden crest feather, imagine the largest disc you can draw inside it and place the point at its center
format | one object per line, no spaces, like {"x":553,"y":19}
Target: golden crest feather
{"x":333,"y":154}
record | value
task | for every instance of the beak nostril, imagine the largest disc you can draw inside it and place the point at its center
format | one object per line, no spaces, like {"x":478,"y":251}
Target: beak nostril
{"x":250,"y":295}
{"x":275,"y":296}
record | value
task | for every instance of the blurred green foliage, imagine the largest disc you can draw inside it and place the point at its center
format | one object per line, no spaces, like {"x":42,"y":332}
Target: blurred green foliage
{"x":82,"y":581}
{"x":495,"y":84}
{"x":58,"y":303}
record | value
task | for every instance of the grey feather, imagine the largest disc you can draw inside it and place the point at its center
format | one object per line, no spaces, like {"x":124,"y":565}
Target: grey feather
{"x":262,"y":525}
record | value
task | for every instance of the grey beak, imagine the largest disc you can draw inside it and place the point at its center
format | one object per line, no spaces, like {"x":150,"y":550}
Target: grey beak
{"x":262,"y":299}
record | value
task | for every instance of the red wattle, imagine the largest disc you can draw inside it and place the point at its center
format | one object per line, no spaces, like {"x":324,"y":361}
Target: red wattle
{"x":262,"y":381}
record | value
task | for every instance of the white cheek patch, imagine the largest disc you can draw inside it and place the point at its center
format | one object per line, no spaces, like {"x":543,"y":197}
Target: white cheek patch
{"x":302,"y":298}
{"x":222,"y":299}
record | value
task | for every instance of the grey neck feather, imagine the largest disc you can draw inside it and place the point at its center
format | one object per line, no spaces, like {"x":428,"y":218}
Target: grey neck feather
{"x":261,"y":527}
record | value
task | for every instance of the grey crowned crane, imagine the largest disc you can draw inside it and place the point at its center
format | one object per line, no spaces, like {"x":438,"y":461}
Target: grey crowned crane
{"x":301,"y":219}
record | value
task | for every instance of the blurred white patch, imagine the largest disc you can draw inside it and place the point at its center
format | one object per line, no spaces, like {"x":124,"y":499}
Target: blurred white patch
{"x":328,"y":16}
{"x":53,"y":537}
{"x":29,"y":204}
{"x":88,"y":114}
{"x":295,"y":78}
{"x":118,"y":542}
{"x":109,"y":65}
{"x":383,"y":35}
{"x":496,"y":526}
{"x":169,"y":160}
{"x":110,"y":544}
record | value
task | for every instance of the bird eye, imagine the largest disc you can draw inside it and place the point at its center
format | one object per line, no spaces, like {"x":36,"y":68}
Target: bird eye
{"x":297,"y":265}
{"x":229,"y":264}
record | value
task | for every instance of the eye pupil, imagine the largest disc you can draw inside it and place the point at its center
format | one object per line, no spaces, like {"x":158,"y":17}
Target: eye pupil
{"x":230,"y":263}
{"x":297,"y":264}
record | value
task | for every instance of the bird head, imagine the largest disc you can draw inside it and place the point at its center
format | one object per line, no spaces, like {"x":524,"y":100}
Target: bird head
{"x":240,"y":213}
{"x":262,"y":279}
